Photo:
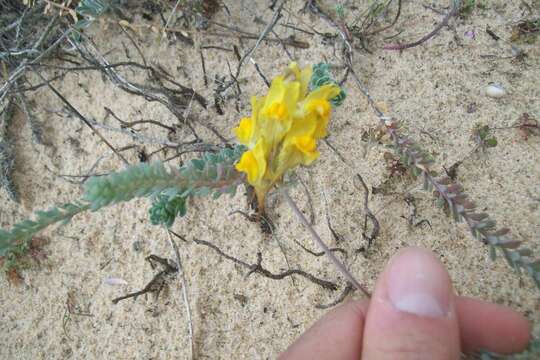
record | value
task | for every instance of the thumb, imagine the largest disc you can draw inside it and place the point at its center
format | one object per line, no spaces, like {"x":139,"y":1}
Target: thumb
{"x":411,"y":314}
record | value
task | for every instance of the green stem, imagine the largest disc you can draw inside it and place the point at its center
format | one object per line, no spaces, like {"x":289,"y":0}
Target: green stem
{"x":22,"y":232}
{"x":341,"y":268}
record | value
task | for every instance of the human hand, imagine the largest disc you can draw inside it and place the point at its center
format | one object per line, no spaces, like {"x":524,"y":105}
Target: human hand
{"x":413,"y":314}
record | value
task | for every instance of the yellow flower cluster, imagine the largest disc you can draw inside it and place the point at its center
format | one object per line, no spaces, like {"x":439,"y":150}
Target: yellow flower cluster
{"x":283,"y":129}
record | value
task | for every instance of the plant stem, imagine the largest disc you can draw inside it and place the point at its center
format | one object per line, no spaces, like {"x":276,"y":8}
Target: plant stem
{"x":22,"y":232}
{"x":183,"y":284}
{"x":341,"y":268}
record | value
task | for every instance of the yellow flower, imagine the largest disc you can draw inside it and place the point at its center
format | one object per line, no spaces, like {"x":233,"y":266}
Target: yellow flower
{"x":253,"y":162}
{"x":244,"y":131}
{"x":283,"y":129}
{"x":317,"y":104}
{"x":248,"y":164}
{"x":301,"y":75}
{"x":306,"y":145}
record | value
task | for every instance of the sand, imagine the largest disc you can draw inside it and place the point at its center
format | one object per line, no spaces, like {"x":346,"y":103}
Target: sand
{"x":428,"y":88}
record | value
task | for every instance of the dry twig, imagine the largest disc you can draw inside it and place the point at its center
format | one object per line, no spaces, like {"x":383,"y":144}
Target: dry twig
{"x":183,"y":285}
{"x":257,"y":268}
{"x":346,"y":291}
{"x":369,"y":214}
{"x":346,"y":273}
{"x":454,"y":10}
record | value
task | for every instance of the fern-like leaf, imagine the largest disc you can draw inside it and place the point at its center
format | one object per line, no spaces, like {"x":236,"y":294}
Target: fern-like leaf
{"x":216,"y":169}
{"x":451,"y":194}
{"x":21,"y":233}
{"x":165,"y":210}
{"x":321,"y":76}
{"x":211,"y":174}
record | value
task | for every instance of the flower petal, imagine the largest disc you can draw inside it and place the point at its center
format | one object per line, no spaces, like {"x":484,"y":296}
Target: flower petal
{"x":317,"y":103}
{"x":244,"y":131}
{"x":277,"y":110}
{"x":326,"y":92}
{"x":253,"y":163}
{"x":248,"y":165}
{"x":321,"y":108}
{"x":301,"y":75}
{"x":308,"y":147}
{"x":276,"y":92}
{"x":306,"y":124}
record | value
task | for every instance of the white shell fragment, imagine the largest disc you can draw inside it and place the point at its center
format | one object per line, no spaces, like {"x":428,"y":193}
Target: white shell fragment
{"x":495,"y":91}
{"x":115,"y":281}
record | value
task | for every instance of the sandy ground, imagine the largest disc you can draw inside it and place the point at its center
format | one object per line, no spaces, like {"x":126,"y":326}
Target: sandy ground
{"x":428,"y":87}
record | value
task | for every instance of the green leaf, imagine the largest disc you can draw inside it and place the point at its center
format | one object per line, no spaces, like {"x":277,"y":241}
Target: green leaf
{"x":21,"y":233}
{"x":164,"y":210}
{"x":169,"y":187}
{"x":198,"y":164}
{"x":483,"y":132}
{"x":492,"y":142}
{"x":492,"y":252}
{"x":320,"y":77}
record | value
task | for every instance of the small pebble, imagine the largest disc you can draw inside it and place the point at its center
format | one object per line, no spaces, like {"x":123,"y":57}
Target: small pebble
{"x":495,"y":91}
{"x":137,"y":245}
{"x":471,"y":34}
{"x":517,"y":51}
{"x":114,"y":281}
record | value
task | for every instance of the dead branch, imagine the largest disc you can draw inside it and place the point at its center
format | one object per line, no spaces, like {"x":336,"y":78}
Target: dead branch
{"x":130,"y":124}
{"x":384,"y":28}
{"x":337,"y":237}
{"x":346,"y":291}
{"x":335,"y":261}
{"x":456,"y":4}
{"x":369,"y":214}
{"x":7,"y":160}
{"x":257,"y":268}
{"x":22,"y":67}
{"x":176,"y":100}
{"x":183,"y":284}
{"x":263,"y":34}
{"x":157,"y":283}
{"x":319,"y":254}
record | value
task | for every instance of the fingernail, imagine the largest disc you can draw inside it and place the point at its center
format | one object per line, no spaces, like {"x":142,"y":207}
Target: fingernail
{"x":419,"y":284}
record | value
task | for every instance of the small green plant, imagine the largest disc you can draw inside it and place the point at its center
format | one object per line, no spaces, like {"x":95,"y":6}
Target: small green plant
{"x":90,"y":10}
{"x":300,"y":92}
{"x":451,"y":195}
{"x":169,"y":187}
{"x":266,"y":154}
{"x":468,"y":6}
{"x":216,"y":168}
{"x":526,"y":31}
{"x":165,"y":210}
{"x":340,"y":11}
{"x":483,"y":137}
